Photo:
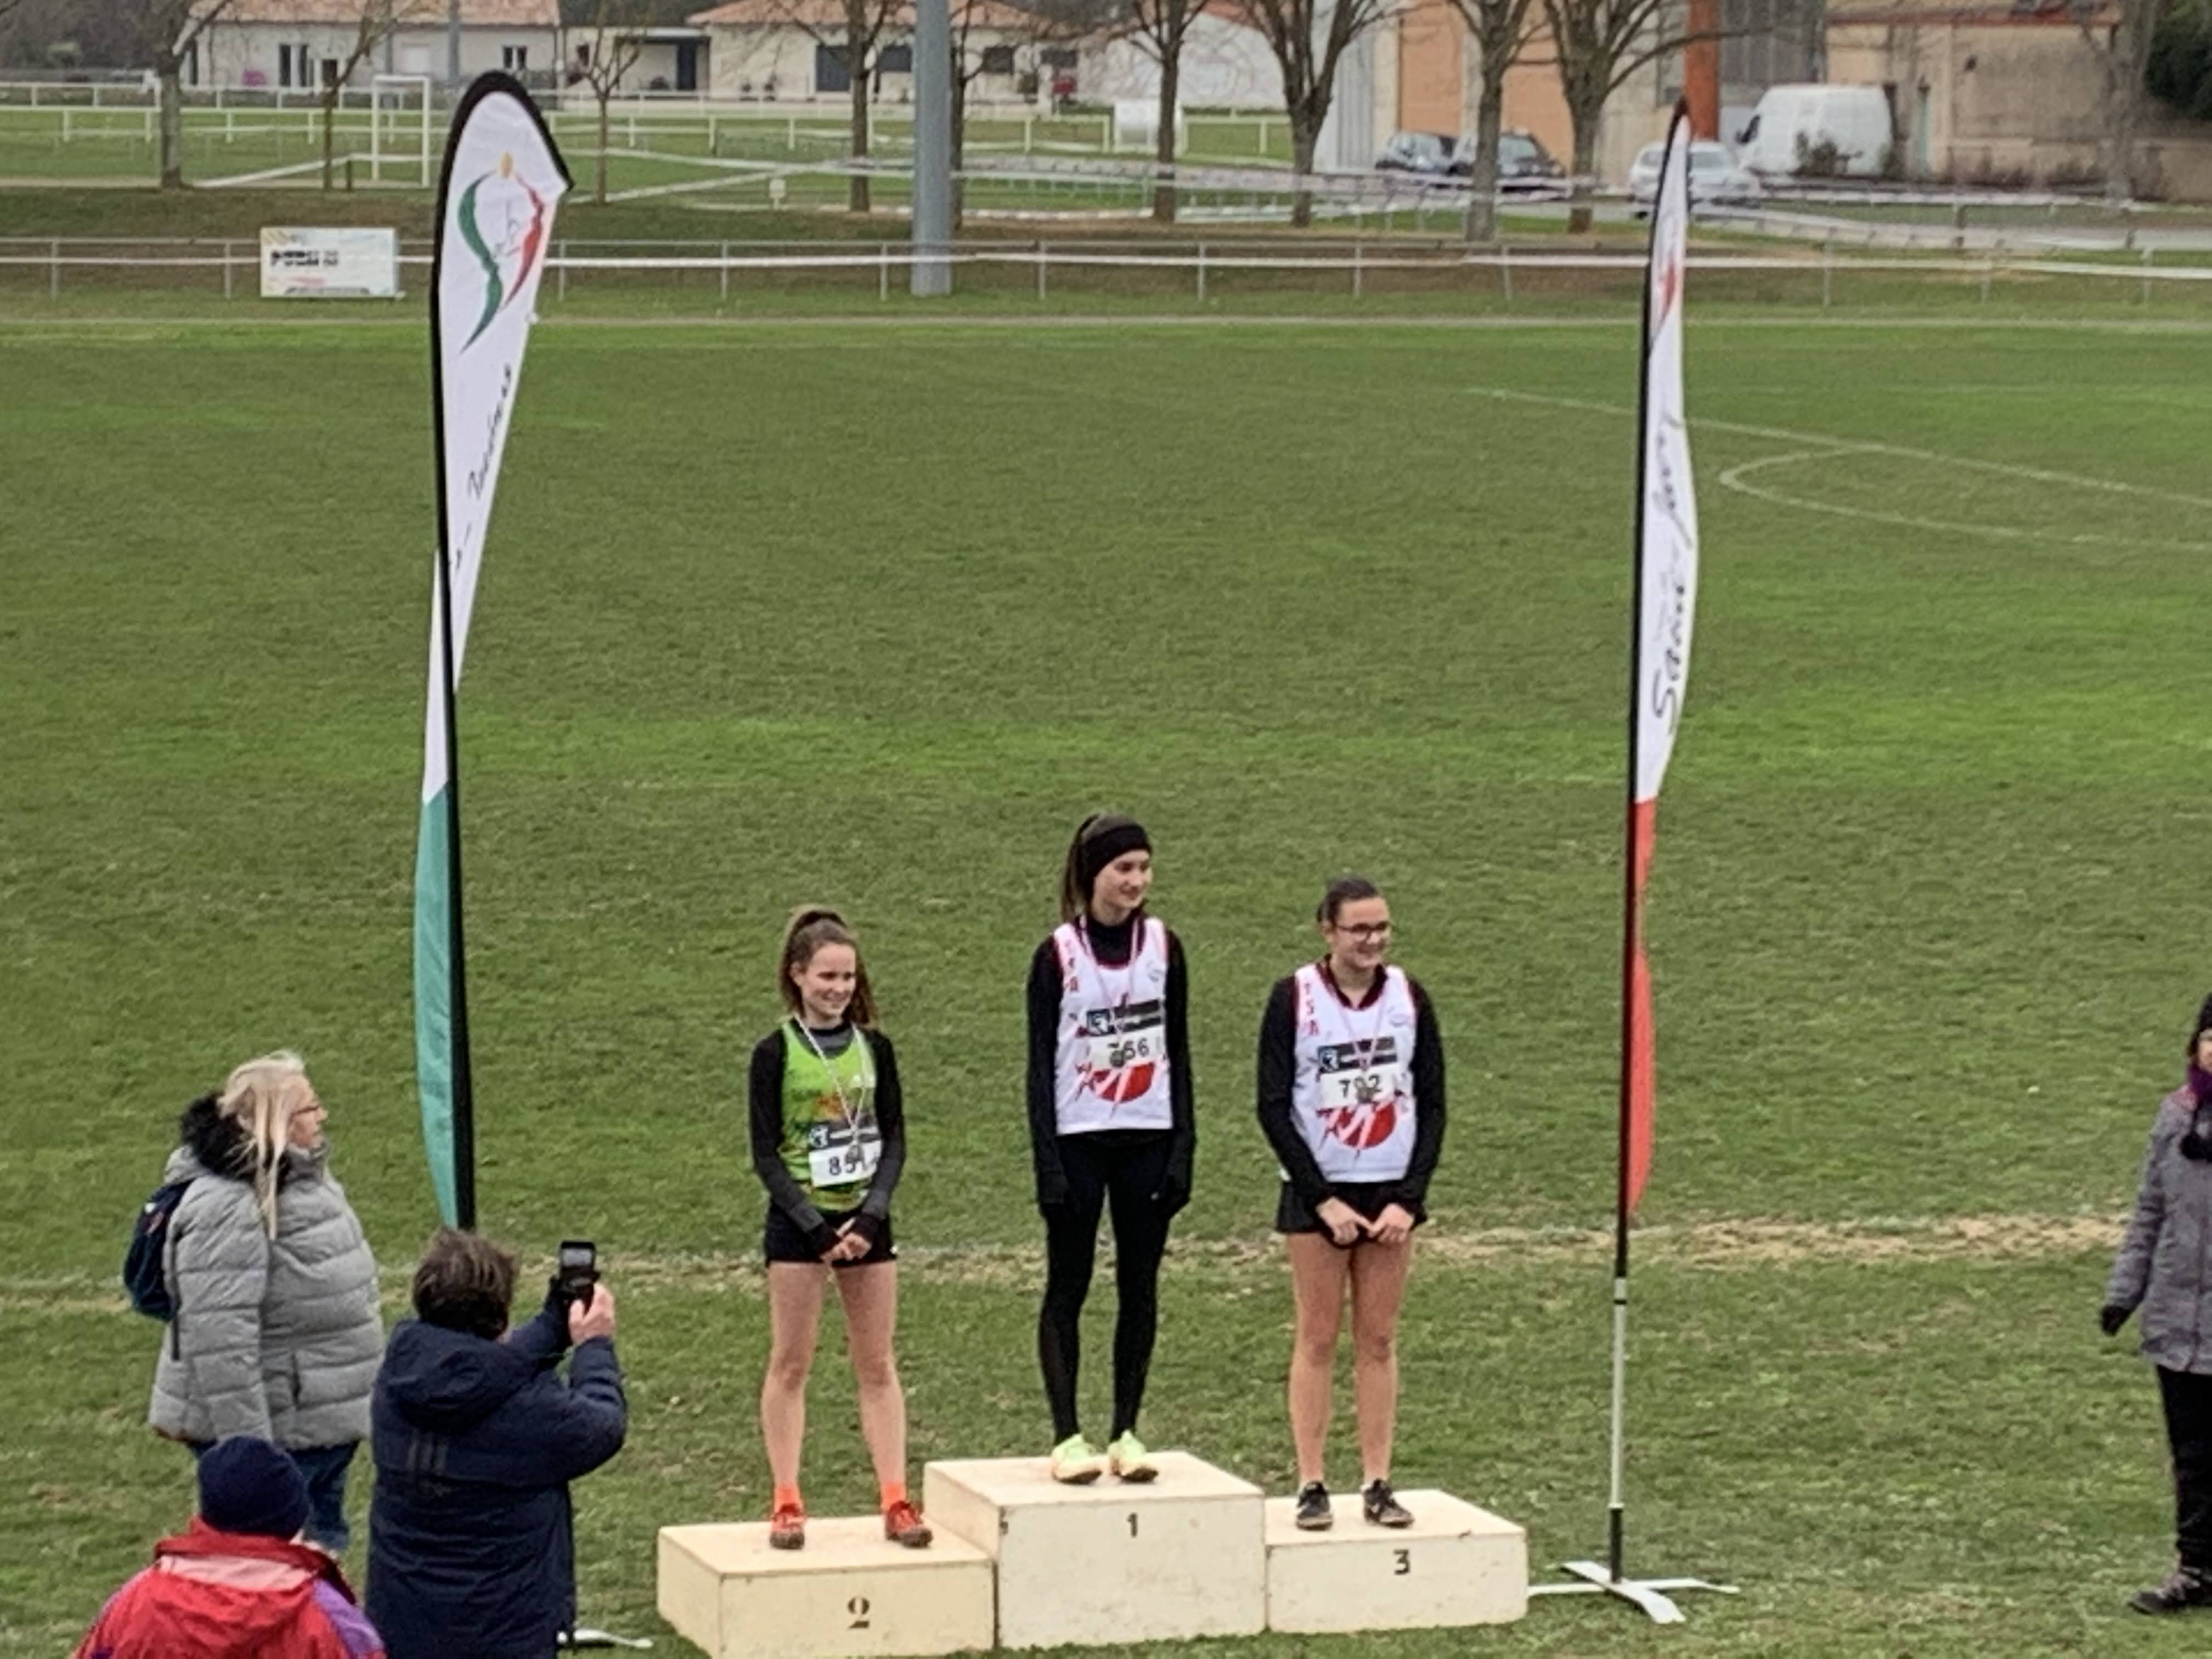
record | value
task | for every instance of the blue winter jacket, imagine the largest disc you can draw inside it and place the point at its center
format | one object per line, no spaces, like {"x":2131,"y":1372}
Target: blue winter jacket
{"x":469,"y":1552}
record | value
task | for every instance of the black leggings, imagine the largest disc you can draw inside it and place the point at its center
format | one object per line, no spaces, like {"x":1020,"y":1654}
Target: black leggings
{"x":1128,"y":1170}
{"x":2188,"y":1400}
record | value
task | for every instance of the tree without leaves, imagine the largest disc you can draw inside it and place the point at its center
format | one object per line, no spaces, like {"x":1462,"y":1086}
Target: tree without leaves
{"x":170,"y":30}
{"x":1309,"y":39}
{"x":377,"y":22}
{"x":1596,"y":45}
{"x":864,"y":23}
{"x":1501,"y":31}
{"x":1035,"y":25}
{"x":1160,"y":26}
{"x":2120,"y":33}
{"x":608,"y":45}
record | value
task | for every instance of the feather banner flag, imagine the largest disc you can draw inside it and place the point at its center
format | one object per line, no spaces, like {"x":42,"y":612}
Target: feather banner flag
{"x":503,"y":177}
{"x":1666,"y":605}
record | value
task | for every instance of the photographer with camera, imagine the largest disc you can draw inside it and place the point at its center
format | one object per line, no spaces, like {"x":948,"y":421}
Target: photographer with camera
{"x":476,"y":1435}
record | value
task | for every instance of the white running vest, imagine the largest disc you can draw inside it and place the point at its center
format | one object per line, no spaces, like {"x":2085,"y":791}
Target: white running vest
{"x":1110,"y":1064}
{"x":1352,"y":1092}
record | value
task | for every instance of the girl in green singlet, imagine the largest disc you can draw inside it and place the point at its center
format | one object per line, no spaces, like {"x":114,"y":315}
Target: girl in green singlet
{"x":829,"y":1140}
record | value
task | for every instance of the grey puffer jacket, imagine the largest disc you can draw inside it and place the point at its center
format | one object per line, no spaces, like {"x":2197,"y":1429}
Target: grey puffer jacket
{"x":275,"y":1337}
{"x":2164,"y":1265}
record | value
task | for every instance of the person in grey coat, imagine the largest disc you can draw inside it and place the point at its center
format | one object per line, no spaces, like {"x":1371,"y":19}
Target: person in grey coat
{"x":276,"y":1333}
{"x":2164,"y":1271}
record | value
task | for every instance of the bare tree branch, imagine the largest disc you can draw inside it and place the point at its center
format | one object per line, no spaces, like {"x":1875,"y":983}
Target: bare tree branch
{"x":2119,"y":33}
{"x":612,"y":49}
{"x":1501,"y":31}
{"x":1309,"y":39}
{"x":854,"y":42}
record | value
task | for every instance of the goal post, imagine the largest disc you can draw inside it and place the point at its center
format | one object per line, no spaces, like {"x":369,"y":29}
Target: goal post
{"x":398,"y":89}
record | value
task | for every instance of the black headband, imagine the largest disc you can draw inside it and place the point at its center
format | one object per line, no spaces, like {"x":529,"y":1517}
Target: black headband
{"x":1110,"y":839}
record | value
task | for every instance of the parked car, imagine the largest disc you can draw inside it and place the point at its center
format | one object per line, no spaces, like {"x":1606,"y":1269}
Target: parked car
{"x":1416,"y":152}
{"x":1716,"y":177}
{"x":1819,"y":131}
{"x":1525,"y":167}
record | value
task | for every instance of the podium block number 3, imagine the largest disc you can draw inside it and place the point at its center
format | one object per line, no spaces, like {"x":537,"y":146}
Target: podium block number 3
{"x":1402,"y":1563}
{"x":858,"y":1607}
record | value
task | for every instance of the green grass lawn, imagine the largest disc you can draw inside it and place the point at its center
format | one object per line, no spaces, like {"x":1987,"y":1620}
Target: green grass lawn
{"x":873,"y":615}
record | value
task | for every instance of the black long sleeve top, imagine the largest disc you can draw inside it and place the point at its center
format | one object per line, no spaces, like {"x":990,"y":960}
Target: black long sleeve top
{"x":1278,"y":1068}
{"x":765,"y":1098}
{"x":1112,"y":946}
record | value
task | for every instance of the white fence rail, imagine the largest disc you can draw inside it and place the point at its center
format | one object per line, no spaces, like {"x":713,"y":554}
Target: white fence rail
{"x":1353,"y":265}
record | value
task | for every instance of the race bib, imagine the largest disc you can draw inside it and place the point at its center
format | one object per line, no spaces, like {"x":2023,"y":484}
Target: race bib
{"x":838,"y":1155}
{"x":1363,"y":1087}
{"x":1123,"y":1050}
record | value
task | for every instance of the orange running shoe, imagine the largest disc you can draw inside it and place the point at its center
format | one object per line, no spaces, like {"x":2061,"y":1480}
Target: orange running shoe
{"x":903,"y":1524}
{"x":786,"y":1528}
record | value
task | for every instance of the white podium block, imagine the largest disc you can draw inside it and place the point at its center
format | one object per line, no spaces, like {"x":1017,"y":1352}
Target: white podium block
{"x":1456,"y":1565}
{"x":1181,"y":1556}
{"x":851,"y":1590}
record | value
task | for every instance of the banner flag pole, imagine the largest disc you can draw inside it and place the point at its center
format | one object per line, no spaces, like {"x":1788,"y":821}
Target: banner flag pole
{"x":1660,"y":619}
{"x":502,"y":178}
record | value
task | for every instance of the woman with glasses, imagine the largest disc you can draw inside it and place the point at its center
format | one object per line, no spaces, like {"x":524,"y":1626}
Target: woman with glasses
{"x":1352,"y":1098}
{"x":2162,"y":1269}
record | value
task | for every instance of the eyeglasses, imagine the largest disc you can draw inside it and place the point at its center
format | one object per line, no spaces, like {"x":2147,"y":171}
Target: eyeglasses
{"x":1366,"y":932}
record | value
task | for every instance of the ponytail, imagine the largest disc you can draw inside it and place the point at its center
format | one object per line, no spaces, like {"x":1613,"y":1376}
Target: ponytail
{"x":1099,"y":839}
{"x":810,"y":927}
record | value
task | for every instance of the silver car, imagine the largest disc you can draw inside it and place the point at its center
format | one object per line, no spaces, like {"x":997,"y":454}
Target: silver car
{"x":1716,"y":176}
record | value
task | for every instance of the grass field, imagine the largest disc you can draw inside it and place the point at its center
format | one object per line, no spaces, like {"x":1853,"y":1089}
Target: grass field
{"x":874,"y":614}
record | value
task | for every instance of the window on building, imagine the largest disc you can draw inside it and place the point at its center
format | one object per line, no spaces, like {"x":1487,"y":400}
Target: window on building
{"x":515,"y":60}
{"x":284,"y":65}
{"x":192,"y":65}
{"x":998,"y":60}
{"x":830,"y":74}
{"x":895,"y":60}
{"x":1058,"y":58}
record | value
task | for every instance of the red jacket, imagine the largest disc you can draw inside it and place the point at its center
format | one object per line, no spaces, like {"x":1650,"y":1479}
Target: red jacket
{"x":214,"y":1595}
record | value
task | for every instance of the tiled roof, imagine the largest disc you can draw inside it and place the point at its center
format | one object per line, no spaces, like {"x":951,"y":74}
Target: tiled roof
{"x":346,"y":14}
{"x":831,"y":15}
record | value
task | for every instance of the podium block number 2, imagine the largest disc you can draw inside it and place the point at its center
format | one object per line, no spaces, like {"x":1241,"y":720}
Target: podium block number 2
{"x":858,"y":1607}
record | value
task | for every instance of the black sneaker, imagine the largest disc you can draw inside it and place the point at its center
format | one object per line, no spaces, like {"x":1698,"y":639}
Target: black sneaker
{"x":2188,"y":1586}
{"x":1314,"y":1513}
{"x":1381,"y":1508}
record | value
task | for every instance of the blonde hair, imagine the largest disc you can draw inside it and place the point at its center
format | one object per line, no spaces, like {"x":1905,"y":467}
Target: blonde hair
{"x":262,"y":1096}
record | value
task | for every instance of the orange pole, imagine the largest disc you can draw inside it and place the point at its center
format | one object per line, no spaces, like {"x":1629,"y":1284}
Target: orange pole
{"x":1701,"y":69}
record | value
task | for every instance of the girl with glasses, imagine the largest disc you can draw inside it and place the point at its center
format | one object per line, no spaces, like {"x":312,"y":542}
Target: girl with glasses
{"x":1352,"y":1099}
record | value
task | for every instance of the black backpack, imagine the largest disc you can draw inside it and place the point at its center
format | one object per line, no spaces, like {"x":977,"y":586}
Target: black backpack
{"x":145,"y":1278}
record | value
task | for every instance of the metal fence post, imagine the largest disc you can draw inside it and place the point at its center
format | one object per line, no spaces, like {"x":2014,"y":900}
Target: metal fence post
{"x":884,"y":270}
{"x":726,"y":270}
{"x":226,"y":271}
{"x":561,"y":258}
{"x":1201,"y":273}
{"x":1827,"y":272}
{"x":2146,"y":281}
{"x":1988,"y":267}
{"x":1041,"y":270}
{"x":1356,"y":272}
{"x":54,"y":272}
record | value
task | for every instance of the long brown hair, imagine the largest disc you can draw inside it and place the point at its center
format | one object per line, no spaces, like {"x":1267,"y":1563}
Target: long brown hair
{"x":810,"y":927}
{"x":1074,"y":890}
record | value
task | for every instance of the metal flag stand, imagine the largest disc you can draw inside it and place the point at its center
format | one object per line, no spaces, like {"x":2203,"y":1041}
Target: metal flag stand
{"x":1669,"y":222}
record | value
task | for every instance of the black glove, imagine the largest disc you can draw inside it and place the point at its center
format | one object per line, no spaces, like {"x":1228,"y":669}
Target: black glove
{"x":2112,"y":1316}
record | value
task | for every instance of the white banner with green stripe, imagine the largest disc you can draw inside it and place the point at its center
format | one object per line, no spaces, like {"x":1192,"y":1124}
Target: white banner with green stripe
{"x":503,"y":179}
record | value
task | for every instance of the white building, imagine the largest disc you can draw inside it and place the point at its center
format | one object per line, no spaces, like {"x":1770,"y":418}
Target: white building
{"x":295,"y":44}
{"x":1226,"y":64}
{"x":788,"y":50}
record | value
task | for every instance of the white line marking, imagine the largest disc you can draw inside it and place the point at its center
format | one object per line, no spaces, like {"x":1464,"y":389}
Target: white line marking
{"x":1734,"y":479}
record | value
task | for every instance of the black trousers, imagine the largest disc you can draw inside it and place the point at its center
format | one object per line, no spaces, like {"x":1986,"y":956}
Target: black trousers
{"x":1125,"y":1170}
{"x":2188,"y":1398}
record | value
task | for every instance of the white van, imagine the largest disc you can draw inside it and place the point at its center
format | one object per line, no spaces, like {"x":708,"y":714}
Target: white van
{"x":1818,"y":131}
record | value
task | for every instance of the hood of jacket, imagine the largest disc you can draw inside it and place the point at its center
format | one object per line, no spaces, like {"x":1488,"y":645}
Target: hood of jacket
{"x":207,"y":1143}
{"x":449,"y":1381}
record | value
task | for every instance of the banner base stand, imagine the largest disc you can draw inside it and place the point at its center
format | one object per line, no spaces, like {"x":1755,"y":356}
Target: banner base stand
{"x":1592,"y":1578}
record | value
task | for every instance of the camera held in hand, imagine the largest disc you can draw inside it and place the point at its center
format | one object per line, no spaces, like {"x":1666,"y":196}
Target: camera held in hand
{"x":576,"y":1273}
